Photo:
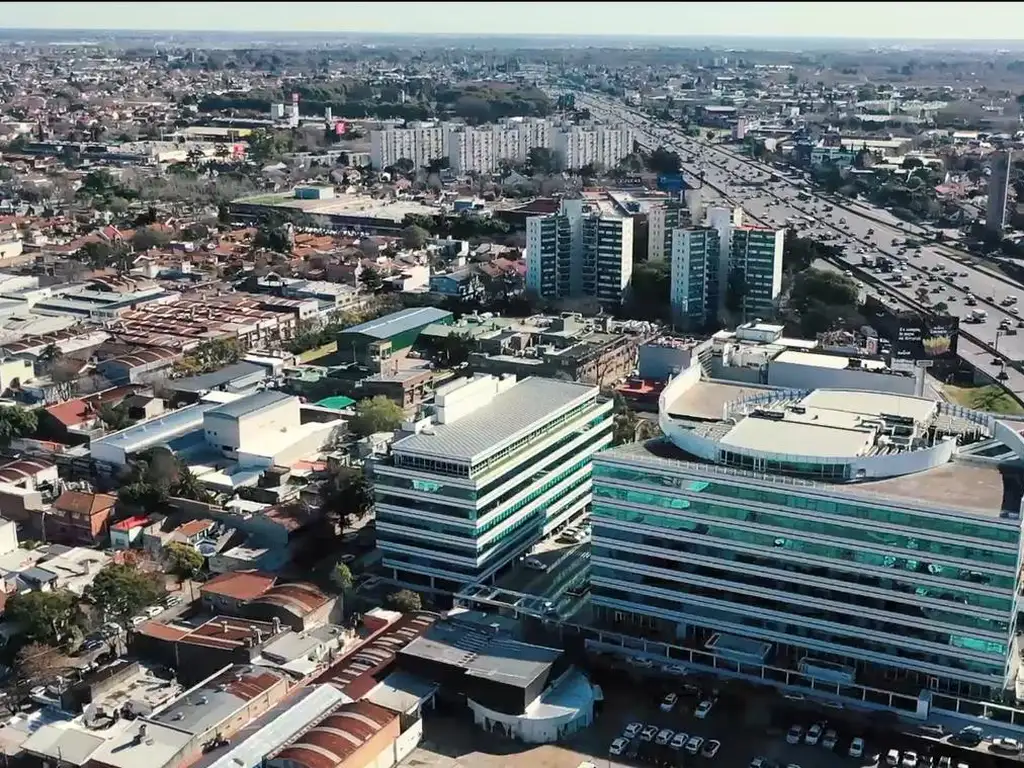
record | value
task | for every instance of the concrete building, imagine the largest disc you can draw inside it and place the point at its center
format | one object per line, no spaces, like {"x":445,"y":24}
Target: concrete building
{"x":755,"y":270}
{"x":481,"y":150}
{"x":695,"y":276}
{"x":422,"y":143}
{"x":998,"y":185}
{"x":500,"y":464}
{"x":860,"y":543}
{"x":578,"y":146}
{"x":661,"y":221}
{"x":581,"y":251}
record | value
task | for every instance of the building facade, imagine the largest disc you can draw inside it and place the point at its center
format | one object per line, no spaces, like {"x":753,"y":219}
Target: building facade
{"x":578,"y":146}
{"x":501,"y":463}
{"x":579,"y":252}
{"x":755,"y":270}
{"x":695,"y":276}
{"x":421,"y":143}
{"x":998,"y":185}
{"x":661,"y":221}
{"x":862,"y":558}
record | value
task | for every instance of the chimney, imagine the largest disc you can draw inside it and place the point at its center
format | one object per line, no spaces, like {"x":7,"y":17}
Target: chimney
{"x":277,"y":626}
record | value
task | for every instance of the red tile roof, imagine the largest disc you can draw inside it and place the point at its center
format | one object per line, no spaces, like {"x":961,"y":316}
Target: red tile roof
{"x":80,"y":502}
{"x":338,"y":736}
{"x":240,"y":585}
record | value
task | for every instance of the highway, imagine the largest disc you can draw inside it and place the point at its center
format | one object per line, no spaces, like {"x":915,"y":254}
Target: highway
{"x":774,"y":199}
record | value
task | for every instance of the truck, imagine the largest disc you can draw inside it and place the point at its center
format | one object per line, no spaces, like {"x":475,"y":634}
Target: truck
{"x":977,"y":316}
{"x":867,"y":261}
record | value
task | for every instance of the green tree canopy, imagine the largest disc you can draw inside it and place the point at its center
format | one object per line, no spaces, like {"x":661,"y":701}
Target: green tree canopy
{"x":184,"y":560}
{"x":376,"y":414}
{"x":47,"y":616}
{"x":415,"y":237}
{"x":404,"y":600}
{"x":150,"y":237}
{"x":120,"y":590}
{"x":346,"y":495}
{"x":16,"y":422}
{"x":341,"y":577}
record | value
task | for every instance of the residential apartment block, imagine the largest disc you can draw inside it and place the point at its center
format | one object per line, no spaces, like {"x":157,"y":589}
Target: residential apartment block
{"x":579,"y":146}
{"x":501,"y":463}
{"x":422,"y":143}
{"x":743,"y":279}
{"x":584,"y":250}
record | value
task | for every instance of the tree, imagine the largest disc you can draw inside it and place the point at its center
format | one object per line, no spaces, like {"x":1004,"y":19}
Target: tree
{"x":122,"y":590}
{"x":96,"y":254}
{"x":376,"y":414}
{"x":664,"y":162}
{"x":16,"y":422}
{"x":415,"y":237}
{"x":150,"y":237}
{"x":341,"y":577}
{"x":454,"y":350}
{"x":114,"y":417}
{"x":263,"y":146}
{"x":370,"y":279}
{"x":542,"y":160}
{"x":627,"y":427}
{"x":346,"y":495}
{"x":184,"y":560}
{"x":274,"y":235}
{"x":650,"y":289}
{"x":46,"y":616}
{"x":39,"y":663}
{"x":404,"y":601}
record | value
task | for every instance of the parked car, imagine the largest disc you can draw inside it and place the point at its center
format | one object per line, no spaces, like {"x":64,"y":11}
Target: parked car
{"x":856,"y":748}
{"x":830,"y":738}
{"x":154,"y":610}
{"x":534,"y":564}
{"x":633,"y":730}
{"x":1009,"y":746}
{"x":618,"y":746}
{"x":669,"y":702}
{"x":649,"y":732}
{"x":892,"y":757}
{"x":703,"y":709}
{"x":795,"y":734}
{"x":138,"y":620}
{"x":711,"y":748}
{"x":814,"y":734}
{"x":679,"y":740}
{"x":664,"y":736}
{"x":694,"y":744}
{"x":172,"y":601}
{"x":935,"y":731}
{"x":909,"y":759}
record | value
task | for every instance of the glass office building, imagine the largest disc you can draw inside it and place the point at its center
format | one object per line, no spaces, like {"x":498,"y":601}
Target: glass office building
{"x":501,"y":463}
{"x":846,"y":531}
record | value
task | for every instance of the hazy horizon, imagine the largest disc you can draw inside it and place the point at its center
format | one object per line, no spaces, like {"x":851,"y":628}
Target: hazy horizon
{"x":882,"y":21}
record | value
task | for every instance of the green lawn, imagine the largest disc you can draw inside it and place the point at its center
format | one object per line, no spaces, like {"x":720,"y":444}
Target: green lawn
{"x":986,"y":398}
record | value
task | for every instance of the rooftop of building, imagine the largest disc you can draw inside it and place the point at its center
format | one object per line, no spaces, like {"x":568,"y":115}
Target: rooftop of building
{"x":515,"y":412}
{"x":218,"y":378}
{"x":336,"y":737}
{"x":250,"y":404}
{"x":352,"y":205}
{"x":399,"y":322}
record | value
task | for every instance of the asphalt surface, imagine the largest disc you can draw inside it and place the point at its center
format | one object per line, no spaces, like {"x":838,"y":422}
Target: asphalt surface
{"x":727,"y":178}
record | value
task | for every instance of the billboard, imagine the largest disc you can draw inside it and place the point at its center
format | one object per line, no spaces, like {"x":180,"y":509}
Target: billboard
{"x":930,"y":338}
{"x":671,"y":182}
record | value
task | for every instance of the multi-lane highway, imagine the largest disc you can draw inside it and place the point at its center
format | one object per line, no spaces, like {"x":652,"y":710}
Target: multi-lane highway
{"x":778,"y":199}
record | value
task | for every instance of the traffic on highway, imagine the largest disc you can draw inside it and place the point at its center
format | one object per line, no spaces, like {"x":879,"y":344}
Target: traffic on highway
{"x":924,"y":274}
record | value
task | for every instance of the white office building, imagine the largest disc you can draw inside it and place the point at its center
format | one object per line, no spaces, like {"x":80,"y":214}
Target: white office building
{"x":581,"y":251}
{"x":500,"y":464}
{"x":755,"y":269}
{"x":422,"y":143}
{"x":578,"y":146}
{"x":693,"y":291}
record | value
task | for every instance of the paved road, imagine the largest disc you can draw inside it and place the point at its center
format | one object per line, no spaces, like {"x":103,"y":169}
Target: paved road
{"x":728,"y":176}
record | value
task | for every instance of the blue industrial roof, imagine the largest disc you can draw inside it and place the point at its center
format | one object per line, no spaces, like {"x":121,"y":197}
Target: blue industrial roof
{"x":219,"y":378}
{"x":399,"y":322}
{"x":250,"y":403}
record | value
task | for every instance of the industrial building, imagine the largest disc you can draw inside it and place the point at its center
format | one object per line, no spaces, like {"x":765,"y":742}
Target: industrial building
{"x":863,"y":543}
{"x":379,"y":343}
{"x":499,"y":464}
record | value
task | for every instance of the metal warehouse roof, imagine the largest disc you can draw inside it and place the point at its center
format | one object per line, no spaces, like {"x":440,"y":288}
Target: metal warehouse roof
{"x":399,"y":322}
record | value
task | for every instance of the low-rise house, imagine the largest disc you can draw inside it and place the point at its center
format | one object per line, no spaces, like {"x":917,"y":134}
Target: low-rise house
{"x":79,"y":518}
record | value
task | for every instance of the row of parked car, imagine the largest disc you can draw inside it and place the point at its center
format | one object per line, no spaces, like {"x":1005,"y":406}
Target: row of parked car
{"x":664,"y":737}
{"x":820,"y":733}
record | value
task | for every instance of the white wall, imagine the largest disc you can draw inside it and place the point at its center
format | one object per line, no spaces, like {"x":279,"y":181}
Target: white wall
{"x":798,"y":376}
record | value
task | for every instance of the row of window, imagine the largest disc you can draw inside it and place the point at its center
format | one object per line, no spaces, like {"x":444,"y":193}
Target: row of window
{"x":853,"y":645}
{"x":784,"y":523}
{"x":802,"y":592}
{"x":926,"y":521}
{"x":788,"y":545}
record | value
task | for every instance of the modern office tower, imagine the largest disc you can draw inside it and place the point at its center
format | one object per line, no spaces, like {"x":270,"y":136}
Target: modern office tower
{"x":581,"y":251}
{"x":754,"y":270}
{"x":998,"y":185}
{"x":662,"y":218}
{"x":500,"y":464}
{"x":578,"y":146}
{"x":694,"y":281}
{"x":856,"y":538}
{"x":422,"y":143}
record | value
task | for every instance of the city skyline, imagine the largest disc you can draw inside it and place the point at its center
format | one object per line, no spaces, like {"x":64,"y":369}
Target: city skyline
{"x":794,"y":20}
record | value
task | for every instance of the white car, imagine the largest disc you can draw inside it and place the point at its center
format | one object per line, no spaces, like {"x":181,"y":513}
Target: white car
{"x":534,"y":564}
{"x":694,"y":744}
{"x":856,"y":748}
{"x":648,"y":733}
{"x":795,"y":734}
{"x":1010,"y":746}
{"x":633,"y":730}
{"x":813,"y":734}
{"x":154,"y":610}
{"x":830,"y":738}
{"x":909,"y":759}
{"x":703,"y":709}
{"x":679,"y":740}
{"x":669,"y":702}
{"x":137,"y":620}
{"x":664,"y":736}
{"x":618,"y":746}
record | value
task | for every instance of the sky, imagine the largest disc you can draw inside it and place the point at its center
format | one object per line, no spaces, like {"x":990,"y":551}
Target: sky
{"x":873,"y":20}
